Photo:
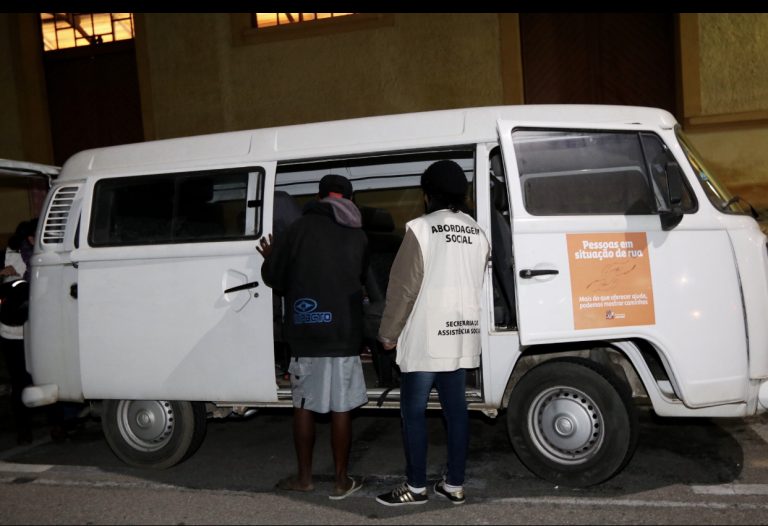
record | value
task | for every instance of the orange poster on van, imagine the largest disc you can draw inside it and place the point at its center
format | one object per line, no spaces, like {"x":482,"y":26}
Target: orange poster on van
{"x":610,"y":280}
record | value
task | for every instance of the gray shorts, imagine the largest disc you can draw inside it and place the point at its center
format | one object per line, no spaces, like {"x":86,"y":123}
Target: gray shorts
{"x":327,"y":384}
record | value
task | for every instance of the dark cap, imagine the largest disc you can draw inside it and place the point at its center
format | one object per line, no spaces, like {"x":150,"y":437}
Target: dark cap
{"x":444,"y":177}
{"x":337,"y":184}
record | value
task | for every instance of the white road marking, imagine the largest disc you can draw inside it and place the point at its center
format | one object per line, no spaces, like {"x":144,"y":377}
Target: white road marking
{"x":108,"y":484}
{"x":24,"y":468}
{"x":732,"y":489}
{"x":626,"y":503}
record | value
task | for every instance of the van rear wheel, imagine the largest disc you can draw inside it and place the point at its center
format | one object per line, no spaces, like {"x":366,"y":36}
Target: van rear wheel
{"x":572,"y":422}
{"x":154,"y":434}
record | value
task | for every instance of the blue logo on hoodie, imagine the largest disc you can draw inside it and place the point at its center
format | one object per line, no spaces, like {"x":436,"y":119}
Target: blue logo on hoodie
{"x":304,"y":312}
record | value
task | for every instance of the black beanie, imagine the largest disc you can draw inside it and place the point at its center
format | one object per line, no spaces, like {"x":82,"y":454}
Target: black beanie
{"x":444,"y":177}
{"x":335,"y":183}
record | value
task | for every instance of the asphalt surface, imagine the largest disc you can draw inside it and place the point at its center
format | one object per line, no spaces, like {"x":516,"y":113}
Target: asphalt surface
{"x":685,"y":471}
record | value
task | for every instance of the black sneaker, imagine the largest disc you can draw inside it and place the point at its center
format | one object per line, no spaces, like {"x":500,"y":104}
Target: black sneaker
{"x":401,"y":495}
{"x":456,"y":497}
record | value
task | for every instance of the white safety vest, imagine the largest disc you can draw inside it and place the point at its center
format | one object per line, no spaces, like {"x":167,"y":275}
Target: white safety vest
{"x":442,"y":332}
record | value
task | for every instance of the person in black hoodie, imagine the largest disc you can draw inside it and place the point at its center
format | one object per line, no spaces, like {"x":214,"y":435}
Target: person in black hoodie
{"x":319,"y":265}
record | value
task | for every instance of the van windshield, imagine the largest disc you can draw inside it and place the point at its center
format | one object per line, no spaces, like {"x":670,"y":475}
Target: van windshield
{"x":717,"y":193}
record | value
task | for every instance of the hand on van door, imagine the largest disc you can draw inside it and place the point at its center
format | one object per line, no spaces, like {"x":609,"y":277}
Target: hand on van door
{"x":265,"y":246}
{"x":8,"y":271}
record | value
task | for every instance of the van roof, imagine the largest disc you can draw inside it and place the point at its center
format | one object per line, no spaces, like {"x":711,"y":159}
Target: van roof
{"x":348,"y":137}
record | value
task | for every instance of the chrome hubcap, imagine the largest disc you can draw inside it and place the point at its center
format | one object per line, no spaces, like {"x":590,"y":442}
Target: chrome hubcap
{"x":146,"y":425}
{"x":566,"y":425}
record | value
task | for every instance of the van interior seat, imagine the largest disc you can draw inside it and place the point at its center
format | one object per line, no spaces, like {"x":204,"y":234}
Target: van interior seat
{"x":383,"y":244}
{"x":619,"y":190}
{"x":133,"y":215}
{"x":198,"y":215}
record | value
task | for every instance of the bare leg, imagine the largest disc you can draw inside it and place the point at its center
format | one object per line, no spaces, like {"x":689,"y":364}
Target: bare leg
{"x":304,"y":442}
{"x":341,"y":443}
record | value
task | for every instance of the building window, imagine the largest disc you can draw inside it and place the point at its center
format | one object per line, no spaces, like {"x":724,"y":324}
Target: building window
{"x":252,"y":28}
{"x":67,"y":30}
{"x":262,"y":20}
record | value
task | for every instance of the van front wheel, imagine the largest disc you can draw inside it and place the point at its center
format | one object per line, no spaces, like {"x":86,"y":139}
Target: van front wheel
{"x":572,"y":422}
{"x":154,"y":434}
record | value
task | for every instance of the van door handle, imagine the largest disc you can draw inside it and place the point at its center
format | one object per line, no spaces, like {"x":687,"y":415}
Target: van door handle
{"x":73,"y":290}
{"x":528,"y":273}
{"x":246,"y":286}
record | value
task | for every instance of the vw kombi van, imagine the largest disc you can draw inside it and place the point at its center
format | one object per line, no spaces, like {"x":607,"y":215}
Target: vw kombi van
{"x":622,"y":272}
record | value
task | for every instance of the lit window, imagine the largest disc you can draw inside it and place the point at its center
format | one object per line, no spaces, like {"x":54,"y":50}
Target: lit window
{"x":252,"y":28}
{"x":65,"y":30}
{"x":262,"y":20}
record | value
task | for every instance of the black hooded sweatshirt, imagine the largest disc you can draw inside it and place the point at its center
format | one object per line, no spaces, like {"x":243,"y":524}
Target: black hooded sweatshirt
{"x":319,"y":265}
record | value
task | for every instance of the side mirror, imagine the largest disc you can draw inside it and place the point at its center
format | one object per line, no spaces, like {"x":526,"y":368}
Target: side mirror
{"x":671,"y":218}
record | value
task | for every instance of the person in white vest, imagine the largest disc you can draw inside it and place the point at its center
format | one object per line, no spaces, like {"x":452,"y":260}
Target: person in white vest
{"x":432,"y":317}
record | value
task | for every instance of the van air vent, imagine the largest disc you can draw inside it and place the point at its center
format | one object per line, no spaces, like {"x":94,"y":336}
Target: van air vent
{"x":58,"y":212}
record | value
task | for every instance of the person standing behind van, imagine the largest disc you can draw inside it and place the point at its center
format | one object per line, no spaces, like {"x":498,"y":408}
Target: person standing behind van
{"x":319,"y":266}
{"x":14,"y":266}
{"x":432,"y":316}
{"x":13,"y":314}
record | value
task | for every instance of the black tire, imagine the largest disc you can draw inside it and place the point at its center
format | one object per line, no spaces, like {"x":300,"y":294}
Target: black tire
{"x":572,"y":422}
{"x":153,"y":434}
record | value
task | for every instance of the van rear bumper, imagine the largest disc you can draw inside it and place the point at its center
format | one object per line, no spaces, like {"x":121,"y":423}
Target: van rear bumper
{"x":39,"y":395}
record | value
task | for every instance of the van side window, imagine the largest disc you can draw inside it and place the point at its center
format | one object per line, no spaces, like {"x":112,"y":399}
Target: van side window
{"x":583,"y":172}
{"x":170,"y":209}
{"x":388,"y":181}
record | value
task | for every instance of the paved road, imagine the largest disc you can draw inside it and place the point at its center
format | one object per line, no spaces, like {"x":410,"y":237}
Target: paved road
{"x":685,"y":471}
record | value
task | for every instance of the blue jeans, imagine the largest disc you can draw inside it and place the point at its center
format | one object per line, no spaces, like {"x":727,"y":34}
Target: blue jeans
{"x":414,"y":394}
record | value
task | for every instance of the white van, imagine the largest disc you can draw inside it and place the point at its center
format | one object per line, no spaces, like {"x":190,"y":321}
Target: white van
{"x":622,"y":272}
